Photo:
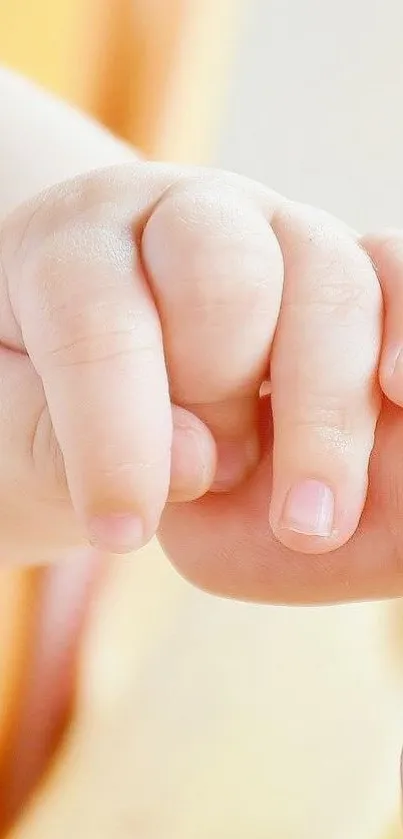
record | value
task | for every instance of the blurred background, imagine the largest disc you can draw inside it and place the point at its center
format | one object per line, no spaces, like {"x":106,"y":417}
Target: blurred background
{"x":306,"y":96}
{"x":316,"y":105}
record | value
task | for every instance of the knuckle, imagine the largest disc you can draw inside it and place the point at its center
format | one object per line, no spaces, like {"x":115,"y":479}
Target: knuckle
{"x":98,"y":349}
{"x":32,"y":237}
{"x":330,"y":269}
{"x":347,"y":288}
{"x":326,"y":420}
{"x":341,"y":298}
{"x":322,"y":434}
{"x":340,"y":421}
{"x":231,"y":253}
{"x":93,"y":198}
{"x":94,"y":335}
{"x":346,"y":297}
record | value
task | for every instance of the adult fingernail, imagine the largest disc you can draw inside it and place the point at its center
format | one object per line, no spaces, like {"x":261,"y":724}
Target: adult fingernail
{"x":309,"y":509}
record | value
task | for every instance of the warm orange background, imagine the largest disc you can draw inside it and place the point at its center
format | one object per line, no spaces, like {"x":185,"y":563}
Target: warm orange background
{"x":152,"y":70}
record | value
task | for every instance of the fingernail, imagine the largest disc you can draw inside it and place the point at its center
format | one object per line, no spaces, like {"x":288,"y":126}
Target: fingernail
{"x":116,"y":533}
{"x":235,"y":460}
{"x":309,"y":509}
{"x":192,"y":462}
{"x":396,"y":363}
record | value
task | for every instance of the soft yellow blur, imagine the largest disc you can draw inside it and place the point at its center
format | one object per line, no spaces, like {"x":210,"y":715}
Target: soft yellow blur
{"x":186,"y":725}
{"x":127,"y":63}
{"x":197,"y":717}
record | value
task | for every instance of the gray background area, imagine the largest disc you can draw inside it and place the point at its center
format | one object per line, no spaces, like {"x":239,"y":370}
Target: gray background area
{"x":316,"y":105}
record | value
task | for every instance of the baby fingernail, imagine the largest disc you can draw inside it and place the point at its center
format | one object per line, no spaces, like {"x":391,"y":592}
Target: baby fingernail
{"x":309,"y":509}
{"x":395,"y":366}
{"x":116,"y":533}
{"x":235,"y":459}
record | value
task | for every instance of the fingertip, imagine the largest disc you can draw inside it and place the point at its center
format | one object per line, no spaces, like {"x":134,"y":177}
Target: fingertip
{"x":306,"y":516}
{"x":309,"y":519}
{"x":391,"y":374}
{"x":117,"y":533}
{"x":201,"y":464}
{"x":385,"y":250}
{"x":193,"y":457}
{"x":309,"y":544}
{"x":309,"y":509}
{"x":236,"y":459}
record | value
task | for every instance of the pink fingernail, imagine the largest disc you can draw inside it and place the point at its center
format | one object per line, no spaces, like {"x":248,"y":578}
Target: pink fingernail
{"x":396,"y":363}
{"x":309,"y":509}
{"x":116,"y":533}
{"x":235,"y":459}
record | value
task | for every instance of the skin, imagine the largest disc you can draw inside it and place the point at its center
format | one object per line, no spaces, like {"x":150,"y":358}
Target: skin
{"x":142,"y":306}
{"x":167,"y":262}
{"x":116,"y":290}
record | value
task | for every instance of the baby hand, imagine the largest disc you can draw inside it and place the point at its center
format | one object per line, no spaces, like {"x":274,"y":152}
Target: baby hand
{"x":140,"y":288}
